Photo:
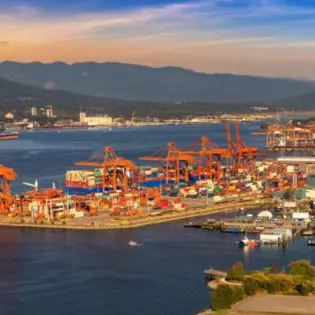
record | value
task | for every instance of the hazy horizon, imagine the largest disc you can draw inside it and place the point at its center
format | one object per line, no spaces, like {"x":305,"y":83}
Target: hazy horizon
{"x":273,"y":38}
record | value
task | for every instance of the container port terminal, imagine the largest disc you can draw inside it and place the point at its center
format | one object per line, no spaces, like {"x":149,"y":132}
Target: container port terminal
{"x":290,"y":138}
{"x":108,"y":191}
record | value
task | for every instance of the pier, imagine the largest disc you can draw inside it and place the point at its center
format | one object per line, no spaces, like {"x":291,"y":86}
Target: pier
{"x":213,"y":274}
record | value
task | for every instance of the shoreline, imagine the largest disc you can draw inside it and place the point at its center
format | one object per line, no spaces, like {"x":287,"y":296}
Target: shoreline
{"x":99,"y":226}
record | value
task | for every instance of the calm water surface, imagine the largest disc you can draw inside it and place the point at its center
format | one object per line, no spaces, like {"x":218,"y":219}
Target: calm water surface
{"x":66,"y":272}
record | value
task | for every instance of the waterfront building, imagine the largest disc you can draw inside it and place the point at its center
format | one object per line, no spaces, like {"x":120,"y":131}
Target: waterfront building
{"x":49,"y":111}
{"x":95,"y":120}
{"x":34,"y":111}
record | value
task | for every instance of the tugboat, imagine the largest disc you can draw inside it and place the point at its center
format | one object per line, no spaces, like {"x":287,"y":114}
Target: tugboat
{"x":247,"y":242}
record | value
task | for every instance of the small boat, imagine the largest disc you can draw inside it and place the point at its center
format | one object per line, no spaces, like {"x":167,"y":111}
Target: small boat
{"x":247,"y":242}
{"x":307,"y":233}
{"x":9,"y":136}
{"x":311,"y":242}
{"x":133,"y":243}
{"x":232,"y":230}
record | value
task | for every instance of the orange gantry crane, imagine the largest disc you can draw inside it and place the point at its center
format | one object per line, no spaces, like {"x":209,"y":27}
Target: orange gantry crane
{"x":174,"y":160}
{"x":115,"y":169}
{"x":243,"y":155}
{"x":208,"y":153}
{"x":6,"y":176}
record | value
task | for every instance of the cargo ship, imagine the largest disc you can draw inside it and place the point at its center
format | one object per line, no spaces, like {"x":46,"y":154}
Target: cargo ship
{"x":9,"y":136}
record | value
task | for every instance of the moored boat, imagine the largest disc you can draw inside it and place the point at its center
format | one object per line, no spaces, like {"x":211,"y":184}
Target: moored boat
{"x":232,"y":230}
{"x":9,"y":136}
{"x":248,"y":242}
{"x":311,"y":242}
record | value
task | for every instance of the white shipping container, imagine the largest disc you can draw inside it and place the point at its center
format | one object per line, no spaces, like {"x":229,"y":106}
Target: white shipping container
{"x":300,"y":215}
{"x":289,"y":204}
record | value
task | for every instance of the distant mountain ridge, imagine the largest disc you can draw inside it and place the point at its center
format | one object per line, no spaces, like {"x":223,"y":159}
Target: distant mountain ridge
{"x":142,"y":83}
{"x":19,"y":98}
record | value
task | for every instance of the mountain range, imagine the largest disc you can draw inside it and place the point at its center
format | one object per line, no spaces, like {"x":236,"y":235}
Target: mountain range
{"x":141,"y":83}
{"x":20,"y":97}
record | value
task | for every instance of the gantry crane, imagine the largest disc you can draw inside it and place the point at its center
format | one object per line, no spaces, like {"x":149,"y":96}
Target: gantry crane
{"x":115,"y":169}
{"x":6,"y":176}
{"x":244,"y":153}
{"x":241,"y":153}
{"x":174,"y":159}
{"x":208,"y":152}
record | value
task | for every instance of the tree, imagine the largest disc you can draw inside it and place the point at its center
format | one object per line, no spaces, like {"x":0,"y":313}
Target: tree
{"x":236,"y":272}
{"x":225,"y":296}
{"x":302,"y":289}
{"x":250,"y":286}
{"x":302,"y":268}
{"x":222,"y":298}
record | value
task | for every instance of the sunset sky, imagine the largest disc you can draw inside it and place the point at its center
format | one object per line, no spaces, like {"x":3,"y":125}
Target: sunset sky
{"x":261,"y":37}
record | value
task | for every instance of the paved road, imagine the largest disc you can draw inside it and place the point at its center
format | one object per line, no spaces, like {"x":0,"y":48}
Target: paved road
{"x":277,"y":304}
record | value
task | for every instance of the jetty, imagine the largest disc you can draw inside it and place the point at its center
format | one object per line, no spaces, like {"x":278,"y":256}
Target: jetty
{"x":213,"y":274}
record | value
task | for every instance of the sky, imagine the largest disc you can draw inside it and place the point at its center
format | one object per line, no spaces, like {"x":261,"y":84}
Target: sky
{"x":257,"y":37}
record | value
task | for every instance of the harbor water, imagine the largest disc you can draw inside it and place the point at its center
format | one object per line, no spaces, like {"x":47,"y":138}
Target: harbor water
{"x":68,"y":272}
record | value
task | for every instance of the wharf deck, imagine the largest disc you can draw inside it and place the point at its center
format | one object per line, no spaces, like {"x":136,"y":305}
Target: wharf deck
{"x":105,"y":222}
{"x":240,"y":227}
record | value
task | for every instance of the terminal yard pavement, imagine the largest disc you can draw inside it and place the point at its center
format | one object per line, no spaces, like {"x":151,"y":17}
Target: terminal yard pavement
{"x":105,"y":222}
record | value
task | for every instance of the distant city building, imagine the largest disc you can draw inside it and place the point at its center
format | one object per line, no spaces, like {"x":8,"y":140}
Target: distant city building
{"x":42,"y":112}
{"x":95,"y":120}
{"x":9,"y":115}
{"x":34,"y":111}
{"x":49,"y":112}
{"x":259,"y":108}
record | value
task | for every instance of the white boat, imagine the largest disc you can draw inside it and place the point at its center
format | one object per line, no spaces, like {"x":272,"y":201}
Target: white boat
{"x":133,"y":243}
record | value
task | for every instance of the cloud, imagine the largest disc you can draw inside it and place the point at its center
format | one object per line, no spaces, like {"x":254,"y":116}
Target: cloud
{"x":4,"y":42}
{"x":203,"y":18}
{"x":233,"y":28}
